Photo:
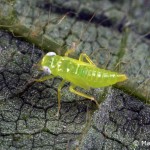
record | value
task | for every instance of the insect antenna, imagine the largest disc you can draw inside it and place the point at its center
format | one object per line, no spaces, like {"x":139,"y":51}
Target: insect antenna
{"x":85,"y":29}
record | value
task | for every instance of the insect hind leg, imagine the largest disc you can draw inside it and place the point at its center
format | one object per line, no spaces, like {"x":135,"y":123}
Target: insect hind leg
{"x":83,"y":55}
{"x":72,"y":89}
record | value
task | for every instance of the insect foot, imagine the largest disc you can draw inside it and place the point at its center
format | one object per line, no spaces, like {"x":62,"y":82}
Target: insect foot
{"x":97,"y":104}
{"x":57,"y":114}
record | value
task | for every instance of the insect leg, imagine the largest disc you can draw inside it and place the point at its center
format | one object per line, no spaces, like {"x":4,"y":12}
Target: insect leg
{"x":71,"y":88}
{"x":72,"y":50}
{"x":69,"y":51}
{"x":44,"y":78}
{"x":83,"y":55}
{"x":59,"y":95}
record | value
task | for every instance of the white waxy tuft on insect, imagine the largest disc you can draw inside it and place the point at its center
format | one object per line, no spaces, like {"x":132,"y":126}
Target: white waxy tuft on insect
{"x":46,"y":70}
{"x":51,"y":54}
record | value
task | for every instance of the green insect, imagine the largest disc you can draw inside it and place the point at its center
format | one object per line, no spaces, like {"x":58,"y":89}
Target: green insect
{"x":78,"y":72}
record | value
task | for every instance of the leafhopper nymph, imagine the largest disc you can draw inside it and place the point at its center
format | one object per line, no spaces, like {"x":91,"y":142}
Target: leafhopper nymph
{"x":78,"y":73}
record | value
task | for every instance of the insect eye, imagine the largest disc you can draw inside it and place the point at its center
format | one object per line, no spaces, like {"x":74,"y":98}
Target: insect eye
{"x":46,"y":70}
{"x":51,"y":54}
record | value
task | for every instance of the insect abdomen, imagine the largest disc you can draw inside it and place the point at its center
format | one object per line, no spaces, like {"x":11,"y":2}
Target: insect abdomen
{"x":101,"y":78}
{"x":96,"y":77}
